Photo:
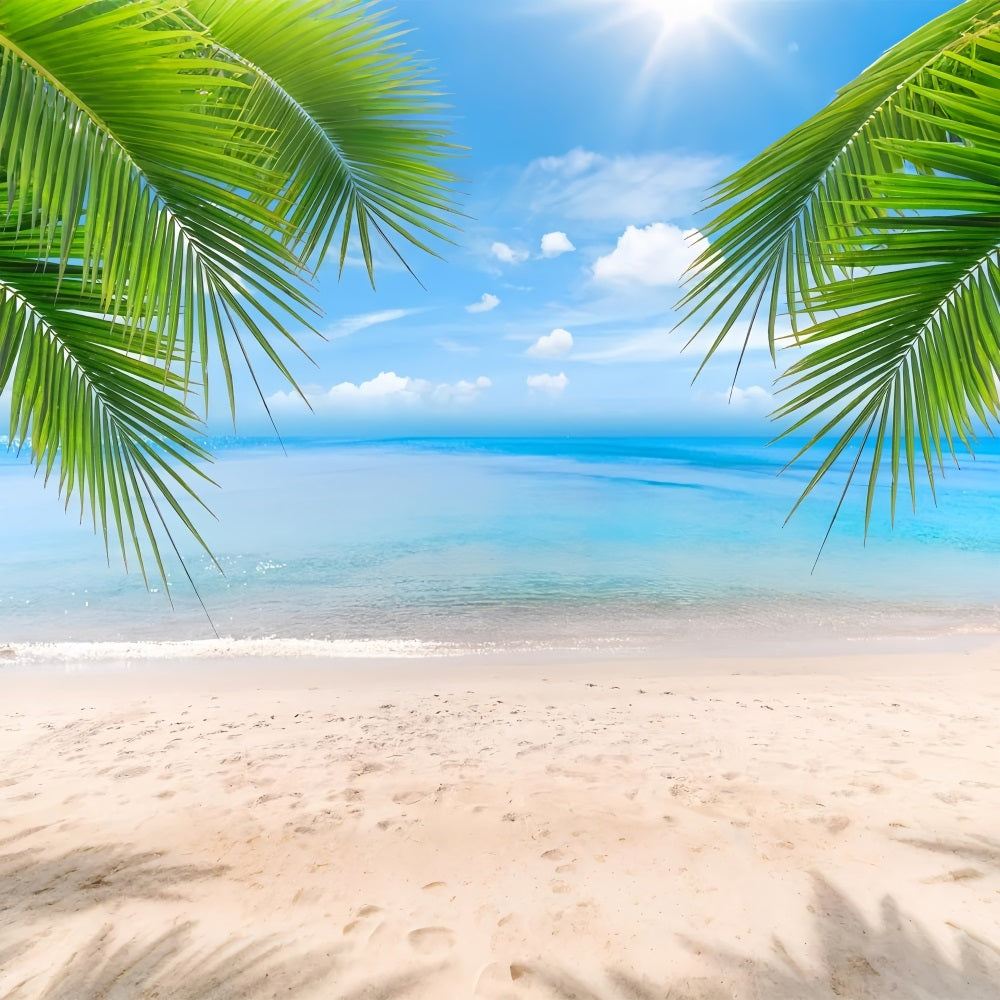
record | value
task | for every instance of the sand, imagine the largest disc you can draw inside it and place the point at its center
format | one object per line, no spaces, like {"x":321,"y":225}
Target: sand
{"x":801,"y":825}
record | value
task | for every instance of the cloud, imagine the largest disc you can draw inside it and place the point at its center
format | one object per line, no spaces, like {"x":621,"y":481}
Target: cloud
{"x":554,"y":244}
{"x":485,"y":304}
{"x":754,"y":395}
{"x":507,"y":254}
{"x":352,"y":324}
{"x":556,"y":344}
{"x":553,"y":384}
{"x":753,"y":399}
{"x":386,"y":388}
{"x":461,"y":392}
{"x":575,"y":162}
{"x":655,"y":255}
{"x":622,"y":189}
{"x":383,"y":386}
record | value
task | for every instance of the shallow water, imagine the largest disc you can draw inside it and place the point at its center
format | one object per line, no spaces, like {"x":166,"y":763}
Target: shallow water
{"x":514,"y":543}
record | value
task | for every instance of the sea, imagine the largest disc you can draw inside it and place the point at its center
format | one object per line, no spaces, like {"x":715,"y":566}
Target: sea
{"x":413,"y":547}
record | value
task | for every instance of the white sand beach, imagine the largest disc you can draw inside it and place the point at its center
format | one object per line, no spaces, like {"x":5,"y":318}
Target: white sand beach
{"x":807,"y":825}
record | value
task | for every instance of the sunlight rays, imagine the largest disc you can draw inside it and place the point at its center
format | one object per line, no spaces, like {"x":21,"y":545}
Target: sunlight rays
{"x":672,"y":29}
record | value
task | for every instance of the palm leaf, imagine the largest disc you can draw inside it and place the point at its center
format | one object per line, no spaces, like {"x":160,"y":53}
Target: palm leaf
{"x":161,"y":195}
{"x":117,"y":120}
{"x":357,"y":138}
{"x":914,"y":337}
{"x":110,"y":420}
{"x":885,"y":254}
{"x":782,"y":214}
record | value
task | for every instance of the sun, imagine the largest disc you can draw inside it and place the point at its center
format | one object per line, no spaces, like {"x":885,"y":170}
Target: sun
{"x":670,"y":29}
{"x":674,"y":15}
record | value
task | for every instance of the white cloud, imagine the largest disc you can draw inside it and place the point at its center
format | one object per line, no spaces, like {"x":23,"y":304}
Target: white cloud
{"x":461,"y":392}
{"x":620,"y":189}
{"x":754,"y":395}
{"x":387,"y":388}
{"x":655,"y":255}
{"x":507,"y":254}
{"x":485,"y":304}
{"x":553,"y":384}
{"x":554,"y":244}
{"x":575,"y":162}
{"x":352,"y":324}
{"x":753,"y":399}
{"x":383,"y":386}
{"x":556,"y":344}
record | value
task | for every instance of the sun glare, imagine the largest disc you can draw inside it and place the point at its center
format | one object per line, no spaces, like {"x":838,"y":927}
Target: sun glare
{"x":670,"y":28}
{"x":675,"y":14}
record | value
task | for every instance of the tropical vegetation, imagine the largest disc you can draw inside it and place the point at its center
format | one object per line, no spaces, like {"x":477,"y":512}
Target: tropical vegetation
{"x":172,"y":172}
{"x":868,"y":241}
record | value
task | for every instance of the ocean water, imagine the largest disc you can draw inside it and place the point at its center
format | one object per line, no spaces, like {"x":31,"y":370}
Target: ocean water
{"x":416,"y":546}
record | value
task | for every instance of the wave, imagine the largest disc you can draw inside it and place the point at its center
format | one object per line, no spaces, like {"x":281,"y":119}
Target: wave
{"x":224,"y":648}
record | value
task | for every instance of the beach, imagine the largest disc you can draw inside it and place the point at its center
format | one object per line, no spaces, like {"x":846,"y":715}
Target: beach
{"x":424,"y":582}
{"x":754,"y":822}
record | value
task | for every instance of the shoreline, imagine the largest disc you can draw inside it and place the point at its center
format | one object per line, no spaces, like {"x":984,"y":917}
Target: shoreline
{"x":96,"y":656}
{"x":745,"y":826}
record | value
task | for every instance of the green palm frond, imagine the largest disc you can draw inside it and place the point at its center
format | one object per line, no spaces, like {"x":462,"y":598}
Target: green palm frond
{"x":884,"y":251}
{"x":782,"y":213}
{"x":117,"y":120}
{"x":170,"y":170}
{"x":912,"y":341}
{"x":314,"y":65}
{"x":111,"y":421}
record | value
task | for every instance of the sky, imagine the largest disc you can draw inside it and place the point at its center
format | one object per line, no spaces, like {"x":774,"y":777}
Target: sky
{"x":592,"y":132}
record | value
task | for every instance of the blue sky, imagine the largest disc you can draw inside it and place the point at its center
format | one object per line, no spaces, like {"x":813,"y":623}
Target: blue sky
{"x":594,"y":129}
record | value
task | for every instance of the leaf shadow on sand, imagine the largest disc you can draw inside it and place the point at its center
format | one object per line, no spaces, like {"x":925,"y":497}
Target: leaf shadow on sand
{"x":975,"y":848}
{"x":87,"y":877}
{"x":892,"y":956}
{"x":169,"y":966}
{"x":561,"y":984}
{"x":38,"y":889}
{"x":241,"y":967}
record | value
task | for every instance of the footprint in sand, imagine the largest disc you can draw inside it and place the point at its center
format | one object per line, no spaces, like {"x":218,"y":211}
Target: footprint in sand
{"x":492,"y":980}
{"x":131,"y":772}
{"x":835,"y":824}
{"x":431,"y":940}
{"x":361,"y":921}
{"x":952,"y":798}
{"x":408,"y":798}
{"x":366,"y":767}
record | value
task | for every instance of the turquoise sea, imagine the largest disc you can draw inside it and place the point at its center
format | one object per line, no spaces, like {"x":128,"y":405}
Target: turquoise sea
{"x":468,"y":544}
